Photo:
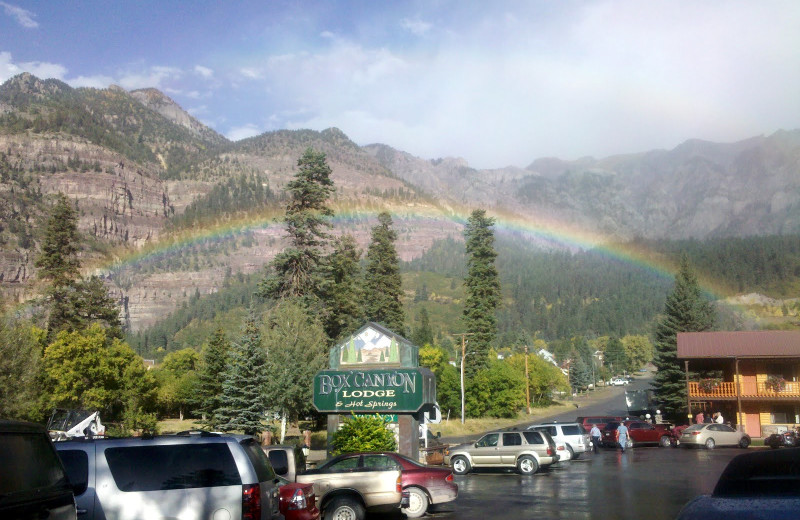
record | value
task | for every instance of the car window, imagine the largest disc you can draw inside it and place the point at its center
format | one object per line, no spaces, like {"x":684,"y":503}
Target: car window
{"x":512,"y":439}
{"x":572,"y":429}
{"x":714,"y":428}
{"x":694,"y":428}
{"x":279,"y":461}
{"x":343,"y":464}
{"x":259,"y":460}
{"x":156,"y":468}
{"x":488,"y":440}
{"x":380,"y":462}
{"x":725,"y":428}
{"x":533,"y":437}
{"x":28,"y":461}
{"x":76,"y":464}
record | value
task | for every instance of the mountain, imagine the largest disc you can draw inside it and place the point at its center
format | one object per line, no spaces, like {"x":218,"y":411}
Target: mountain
{"x":154,"y":184}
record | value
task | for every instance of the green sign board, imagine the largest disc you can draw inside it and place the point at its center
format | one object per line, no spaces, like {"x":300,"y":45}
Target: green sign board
{"x":385,"y":391}
{"x":387,"y":418}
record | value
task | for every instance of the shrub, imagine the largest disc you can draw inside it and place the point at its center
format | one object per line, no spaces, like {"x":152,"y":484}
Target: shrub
{"x":363,"y":433}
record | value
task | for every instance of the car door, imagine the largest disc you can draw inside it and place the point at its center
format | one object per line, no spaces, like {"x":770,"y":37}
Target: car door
{"x":79,"y":465}
{"x":511,"y":442}
{"x":727,"y":434}
{"x":487,"y":450}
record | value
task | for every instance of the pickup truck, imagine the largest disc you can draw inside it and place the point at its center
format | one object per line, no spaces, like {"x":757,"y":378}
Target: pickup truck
{"x":350,"y":484}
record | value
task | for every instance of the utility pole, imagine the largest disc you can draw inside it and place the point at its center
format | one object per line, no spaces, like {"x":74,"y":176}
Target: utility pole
{"x":527,"y":383}
{"x":463,"y":355}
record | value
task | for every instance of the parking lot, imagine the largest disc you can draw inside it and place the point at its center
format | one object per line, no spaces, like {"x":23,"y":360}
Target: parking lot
{"x":652,"y":483}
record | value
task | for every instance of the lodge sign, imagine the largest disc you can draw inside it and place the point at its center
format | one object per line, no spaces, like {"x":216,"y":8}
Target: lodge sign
{"x":386,"y":390}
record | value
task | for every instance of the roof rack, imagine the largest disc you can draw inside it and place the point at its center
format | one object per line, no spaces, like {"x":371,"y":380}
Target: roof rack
{"x":201,"y":433}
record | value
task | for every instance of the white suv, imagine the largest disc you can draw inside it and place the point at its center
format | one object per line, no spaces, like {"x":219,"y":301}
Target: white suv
{"x":572,"y":435}
{"x":618,"y":381}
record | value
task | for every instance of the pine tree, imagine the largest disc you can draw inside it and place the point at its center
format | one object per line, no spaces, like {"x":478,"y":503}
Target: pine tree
{"x":615,"y":356}
{"x":210,"y":377}
{"x":243,"y":389}
{"x":383,"y":284}
{"x":686,"y":310}
{"x":482,"y":285}
{"x":341,"y":289}
{"x":423,"y":335}
{"x":293,"y":272}
{"x":58,"y":261}
{"x":579,"y":374}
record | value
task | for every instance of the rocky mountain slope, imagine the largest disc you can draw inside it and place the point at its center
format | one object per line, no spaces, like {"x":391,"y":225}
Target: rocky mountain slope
{"x":134,"y":161}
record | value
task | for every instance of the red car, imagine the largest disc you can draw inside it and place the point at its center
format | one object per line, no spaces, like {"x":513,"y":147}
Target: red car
{"x":426,"y":485}
{"x":640,"y":432}
{"x":298,"y":501}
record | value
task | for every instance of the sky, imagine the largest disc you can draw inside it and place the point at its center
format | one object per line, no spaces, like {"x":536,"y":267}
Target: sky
{"x":497,"y":83}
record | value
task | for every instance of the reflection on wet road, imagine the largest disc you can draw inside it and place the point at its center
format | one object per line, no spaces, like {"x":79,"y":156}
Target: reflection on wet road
{"x":642,"y":483}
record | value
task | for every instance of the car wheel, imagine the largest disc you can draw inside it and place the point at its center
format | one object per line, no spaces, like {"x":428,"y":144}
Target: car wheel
{"x":417,"y":503}
{"x":710,"y":444}
{"x":664,"y":442}
{"x":744,"y":442}
{"x":527,"y":465}
{"x":344,"y":509}
{"x":461,"y":466}
{"x":571,"y":452}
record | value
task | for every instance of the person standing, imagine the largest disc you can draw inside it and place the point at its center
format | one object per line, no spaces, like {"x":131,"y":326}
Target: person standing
{"x":698,"y":418}
{"x":718,"y":419}
{"x":595,"y":434}
{"x":622,"y":436}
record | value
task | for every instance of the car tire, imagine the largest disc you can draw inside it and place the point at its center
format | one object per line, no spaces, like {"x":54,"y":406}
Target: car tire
{"x":344,"y":509}
{"x":664,"y":442}
{"x":417,"y":503}
{"x":744,"y":442}
{"x":710,"y":444}
{"x":527,"y":465}
{"x":461,"y":465}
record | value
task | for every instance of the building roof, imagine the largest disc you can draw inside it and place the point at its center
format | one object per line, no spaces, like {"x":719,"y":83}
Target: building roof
{"x":750,"y":344}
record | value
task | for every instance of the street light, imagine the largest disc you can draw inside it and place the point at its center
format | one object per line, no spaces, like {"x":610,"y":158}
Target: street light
{"x":463,"y":355}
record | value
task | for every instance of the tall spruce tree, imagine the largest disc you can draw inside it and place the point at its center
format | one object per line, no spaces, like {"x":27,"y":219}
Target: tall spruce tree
{"x":211,"y":375}
{"x":423,"y":335}
{"x":686,"y":310}
{"x":482,"y":285}
{"x":58,"y":261}
{"x":615,"y":356}
{"x":242,"y":404}
{"x":293,"y":273}
{"x":383,"y":284}
{"x":341,"y":289}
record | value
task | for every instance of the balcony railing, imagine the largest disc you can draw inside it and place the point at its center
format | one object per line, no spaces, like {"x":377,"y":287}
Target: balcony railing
{"x":728,"y":389}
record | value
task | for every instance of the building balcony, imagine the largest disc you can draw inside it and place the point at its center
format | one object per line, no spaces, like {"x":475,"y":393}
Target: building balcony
{"x":747,"y":390}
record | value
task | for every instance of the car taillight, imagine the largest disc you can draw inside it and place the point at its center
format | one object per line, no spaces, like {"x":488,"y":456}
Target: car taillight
{"x":696,"y":433}
{"x":251,"y":502}
{"x":560,"y":448}
{"x":550,"y":451}
{"x":298,"y":500}
{"x":449,"y":478}
{"x":399,"y":485}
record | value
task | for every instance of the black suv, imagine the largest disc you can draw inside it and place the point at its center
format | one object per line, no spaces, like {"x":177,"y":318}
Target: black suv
{"x":32,"y":483}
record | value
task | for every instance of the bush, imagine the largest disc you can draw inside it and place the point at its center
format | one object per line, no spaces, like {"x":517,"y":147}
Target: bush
{"x":363,"y":433}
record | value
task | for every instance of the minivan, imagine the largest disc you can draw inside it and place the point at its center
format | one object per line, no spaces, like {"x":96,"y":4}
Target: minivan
{"x":191,"y":477}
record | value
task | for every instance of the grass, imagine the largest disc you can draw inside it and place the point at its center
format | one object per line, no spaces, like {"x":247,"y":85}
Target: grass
{"x":471,"y":426}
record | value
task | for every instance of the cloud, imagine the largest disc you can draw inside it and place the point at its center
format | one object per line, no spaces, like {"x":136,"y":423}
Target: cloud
{"x":203,"y":71}
{"x":250,"y":72}
{"x":23,"y":17}
{"x":40,"y":69}
{"x":97,"y":81}
{"x":238,"y":133}
{"x":154,"y":77}
{"x":415,"y":26}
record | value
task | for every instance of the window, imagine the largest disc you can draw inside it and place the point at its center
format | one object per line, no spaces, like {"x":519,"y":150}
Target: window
{"x":488,"y":440}
{"x":573,"y":429}
{"x":533,"y":437}
{"x":259,"y":460}
{"x":379,"y":462}
{"x":512,"y":439}
{"x":28,"y":461}
{"x":279,"y":461}
{"x":343,"y":464}
{"x":784,"y":414}
{"x":76,"y":463}
{"x":158,"y":468}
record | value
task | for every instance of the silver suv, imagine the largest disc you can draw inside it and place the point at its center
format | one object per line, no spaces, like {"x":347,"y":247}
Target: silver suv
{"x":192,"y":477}
{"x":525,"y":450}
{"x":572,"y":435}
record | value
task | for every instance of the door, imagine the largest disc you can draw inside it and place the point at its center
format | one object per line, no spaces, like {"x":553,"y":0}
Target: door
{"x":81,"y":475}
{"x":511,"y":443}
{"x":487,"y":450}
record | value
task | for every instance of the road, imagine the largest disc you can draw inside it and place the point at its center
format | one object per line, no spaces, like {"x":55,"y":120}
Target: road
{"x":652,"y":483}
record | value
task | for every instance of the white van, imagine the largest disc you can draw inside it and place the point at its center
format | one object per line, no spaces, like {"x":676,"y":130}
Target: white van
{"x":573,"y":435}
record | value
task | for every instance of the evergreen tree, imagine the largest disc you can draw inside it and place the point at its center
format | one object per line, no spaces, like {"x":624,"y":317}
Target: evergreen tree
{"x":58,"y":261}
{"x":210,"y":378}
{"x":615,"y":356}
{"x":686,"y":310}
{"x":483,"y":290}
{"x":341,"y":289}
{"x":423,"y":335}
{"x":383,"y":284}
{"x":293,"y":272}
{"x":242,"y":402}
{"x":580,"y":374}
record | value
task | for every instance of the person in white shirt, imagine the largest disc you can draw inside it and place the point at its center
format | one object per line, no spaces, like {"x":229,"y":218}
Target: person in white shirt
{"x":718,"y":418}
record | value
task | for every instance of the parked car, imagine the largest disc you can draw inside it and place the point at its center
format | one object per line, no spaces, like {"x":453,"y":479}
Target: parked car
{"x":189,"y":476}
{"x":350,"y":484}
{"x":573,"y":435}
{"x":713,"y":435}
{"x":526,"y":451}
{"x":600,"y":421}
{"x":761,"y":484}
{"x":287,"y":460}
{"x":33,"y":482}
{"x":298,"y":501}
{"x":618,"y":381}
{"x":640,"y":433}
{"x":562,"y":453}
{"x":426,"y":485}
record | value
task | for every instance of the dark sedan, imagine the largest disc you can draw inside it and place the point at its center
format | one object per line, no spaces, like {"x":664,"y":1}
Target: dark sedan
{"x":426,"y":485}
